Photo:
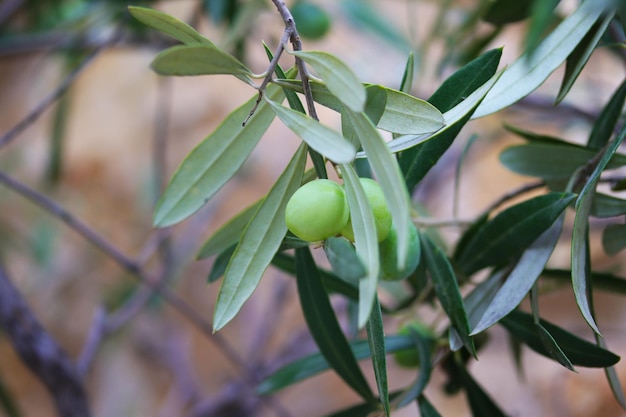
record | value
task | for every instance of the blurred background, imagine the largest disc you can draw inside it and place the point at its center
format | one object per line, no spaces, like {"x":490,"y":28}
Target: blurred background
{"x":85,"y":122}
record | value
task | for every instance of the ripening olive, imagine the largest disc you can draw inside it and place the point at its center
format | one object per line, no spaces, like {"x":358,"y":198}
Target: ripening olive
{"x":317,"y":210}
{"x":378,"y":204}
{"x":388,"y":250}
{"x":311,"y":20}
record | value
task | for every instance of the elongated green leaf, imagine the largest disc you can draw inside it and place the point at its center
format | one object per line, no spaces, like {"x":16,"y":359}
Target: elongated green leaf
{"x":229,"y":233}
{"x":258,"y":244}
{"x":537,"y":159}
{"x":376,"y":341}
{"x":580,"y":235}
{"x":542,"y":16}
{"x":579,"y":351}
{"x":339,"y":78}
{"x":409,"y":115}
{"x":501,"y":12}
{"x":454,"y":120}
{"x":476,"y":303}
{"x":426,"y":408}
{"x":580,"y":55}
{"x":315,"y":363}
{"x":319,"y":137}
{"x":447,"y":289}
{"x":389,"y":176}
{"x":522,"y":277}
{"x":292,"y":97}
{"x":197,"y":60}
{"x":612,"y":377}
{"x":603,"y":127}
{"x":529,"y":72}
{"x":614,"y":238}
{"x":416,"y":389}
{"x":169,"y":25}
{"x":403,"y":113}
{"x":409,"y":72}
{"x":214,"y":161}
{"x":512,"y":231}
{"x":365,"y":241}
{"x":221,"y":263}
{"x":323,"y":325}
{"x":601,"y":281}
{"x":553,"y":348}
{"x":332,"y":283}
{"x":344,"y":260}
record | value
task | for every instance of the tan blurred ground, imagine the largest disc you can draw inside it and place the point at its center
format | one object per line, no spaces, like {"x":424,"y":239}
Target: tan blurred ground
{"x":107,"y":183}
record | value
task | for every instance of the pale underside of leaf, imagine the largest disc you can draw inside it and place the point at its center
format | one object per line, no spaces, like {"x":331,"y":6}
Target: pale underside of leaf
{"x":365,"y":240}
{"x":258,"y":244}
{"x":529,"y":72}
{"x":323,"y":139}
{"x":339,"y":78}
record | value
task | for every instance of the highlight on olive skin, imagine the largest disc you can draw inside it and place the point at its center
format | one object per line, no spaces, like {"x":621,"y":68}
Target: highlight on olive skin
{"x":317,"y":210}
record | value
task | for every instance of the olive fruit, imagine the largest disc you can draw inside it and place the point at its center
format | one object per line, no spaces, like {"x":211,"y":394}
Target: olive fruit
{"x":311,"y":20}
{"x":388,"y":250}
{"x":409,"y":358}
{"x":378,"y":204}
{"x":317,"y":210}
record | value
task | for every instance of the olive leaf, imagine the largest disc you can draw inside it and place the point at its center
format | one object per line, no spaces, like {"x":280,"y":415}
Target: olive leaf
{"x":258,"y":244}
{"x":169,"y":25}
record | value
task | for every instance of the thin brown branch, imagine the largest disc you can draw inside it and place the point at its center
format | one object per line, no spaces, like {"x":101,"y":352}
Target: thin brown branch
{"x":97,"y":332}
{"x":40,"y":352}
{"x":158,"y":286}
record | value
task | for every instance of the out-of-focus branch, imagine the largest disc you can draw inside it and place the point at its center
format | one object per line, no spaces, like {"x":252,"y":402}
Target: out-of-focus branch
{"x":41,"y":353}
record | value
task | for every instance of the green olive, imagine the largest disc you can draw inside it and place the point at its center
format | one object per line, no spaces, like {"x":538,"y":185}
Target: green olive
{"x":311,"y":20}
{"x":317,"y":210}
{"x":409,"y":358}
{"x":388,"y":250}
{"x":378,"y":204}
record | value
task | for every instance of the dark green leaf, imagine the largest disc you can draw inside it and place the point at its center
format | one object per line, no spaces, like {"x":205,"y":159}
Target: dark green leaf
{"x":416,"y":162}
{"x":580,"y":234}
{"x":426,"y":409}
{"x":407,"y":77}
{"x":580,"y":55}
{"x":315,"y":363}
{"x":339,"y":78}
{"x":214,"y":161}
{"x":324,"y":140}
{"x":553,"y":348}
{"x":602,"y":281}
{"x":258,"y":243}
{"x":221,"y":263}
{"x":323,"y":325}
{"x":537,"y":159}
{"x":579,"y":351}
{"x":197,"y":60}
{"x":169,"y":25}
{"x":376,"y":340}
{"x":332,"y":283}
{"x":529,"y":72}
{"x":343,"y":259}
{"x":614,"y":238}
{"x":501,"y":12}
{"x":604,"y":125}
{"x":607,"y":206}
{"x":447,"y":289}
{"x":538,"y":137}
{"x":476,"y":303}
{"x":292,"y":97}
{"x":523,"y":276}
{"x":509,"y":233}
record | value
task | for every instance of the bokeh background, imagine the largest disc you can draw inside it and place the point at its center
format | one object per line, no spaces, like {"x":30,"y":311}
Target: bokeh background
{"x":105,"y":148}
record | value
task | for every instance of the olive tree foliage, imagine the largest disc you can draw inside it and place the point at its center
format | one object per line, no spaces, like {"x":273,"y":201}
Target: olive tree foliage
{"x":512,"y":246}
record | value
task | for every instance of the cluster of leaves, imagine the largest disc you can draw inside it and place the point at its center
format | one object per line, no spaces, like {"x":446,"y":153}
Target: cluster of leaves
{"x":513,"y":246}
